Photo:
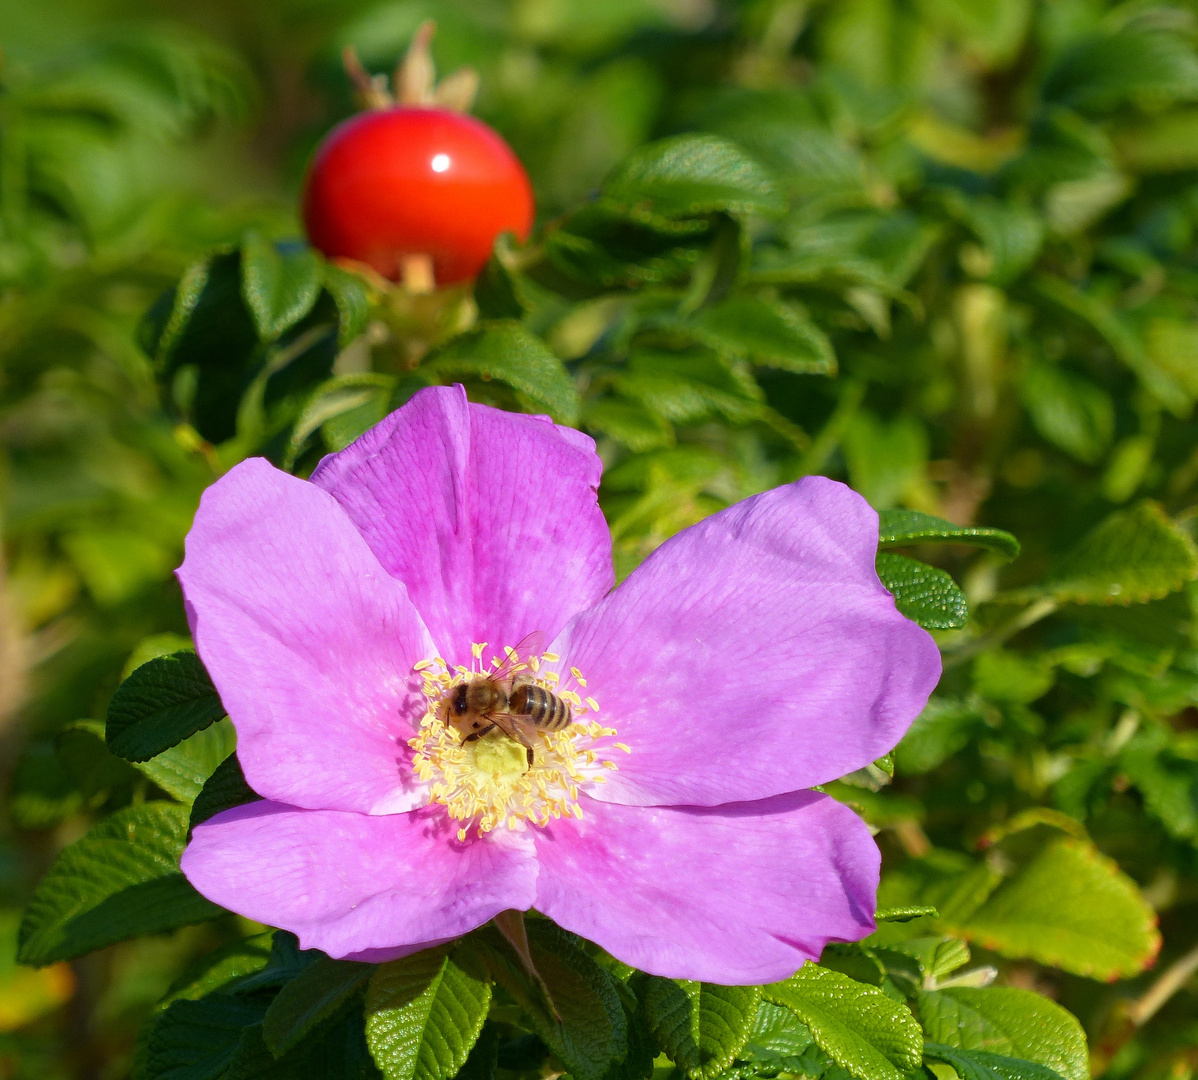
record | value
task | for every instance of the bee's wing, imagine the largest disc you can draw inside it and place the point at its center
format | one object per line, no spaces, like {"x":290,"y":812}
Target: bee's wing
{"x":517,"y":658}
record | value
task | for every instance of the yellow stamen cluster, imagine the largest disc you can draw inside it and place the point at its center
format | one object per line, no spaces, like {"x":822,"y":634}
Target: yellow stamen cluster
{"x":488,"y":783}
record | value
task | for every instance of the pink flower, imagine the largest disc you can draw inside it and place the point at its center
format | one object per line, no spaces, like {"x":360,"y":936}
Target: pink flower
{"x":749,"y":658}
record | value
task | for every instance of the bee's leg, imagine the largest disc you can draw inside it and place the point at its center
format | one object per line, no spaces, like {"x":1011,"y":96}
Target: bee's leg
{"x":478,"y":734}
{"x":514,"y":731}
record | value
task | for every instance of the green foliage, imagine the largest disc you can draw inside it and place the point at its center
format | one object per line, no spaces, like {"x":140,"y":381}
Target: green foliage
{"x":278,"y":287}
{"x":224,"y":789}
{"x":923,"y":593}
{"x":1007,"y":1021}
{"x":941,"y":251}
{"x":159,"y":705}
{"x":571,"y":1003}
{"x":1068,"y":907}
{"x":982,"y":1065}
{"x":1134,"y":556}
{"x":506,"y":351}
{"x":858,"y":1026}
{"x":184,"y":769}
{"x":121,"y":880}
{"x":311,"y":997}
{"x":423,"y":1015}
{"x":689,"y":176}
{"x":901,"y":528}
{"x":702,"y":1028}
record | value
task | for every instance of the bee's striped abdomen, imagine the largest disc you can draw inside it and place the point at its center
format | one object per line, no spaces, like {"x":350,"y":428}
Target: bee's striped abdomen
{"x":544,"y":709}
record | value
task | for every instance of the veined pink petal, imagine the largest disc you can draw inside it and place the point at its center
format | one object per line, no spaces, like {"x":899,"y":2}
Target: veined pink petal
{"x":309,"y":642}
{"x":736,"y":894}
{"x":489,"y":518}
{"x":755,"y":653}
{"x":354,"y":884}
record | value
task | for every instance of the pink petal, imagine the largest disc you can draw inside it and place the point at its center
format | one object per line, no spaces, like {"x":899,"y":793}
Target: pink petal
{"x":489,"y":518}
{"x":358,"y":885}
{"x":734,"y":894}
{"x":754,"y":653}
{"x":309,"y":641}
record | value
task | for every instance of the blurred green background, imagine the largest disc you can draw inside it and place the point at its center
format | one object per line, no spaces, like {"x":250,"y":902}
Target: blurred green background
{"x":986,"y":212}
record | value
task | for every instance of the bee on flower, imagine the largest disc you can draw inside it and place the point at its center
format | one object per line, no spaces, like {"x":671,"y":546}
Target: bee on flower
{"x":425,"y":765}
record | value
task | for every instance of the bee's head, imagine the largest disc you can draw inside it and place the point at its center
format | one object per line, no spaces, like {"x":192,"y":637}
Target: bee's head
{"x":458,"y":700}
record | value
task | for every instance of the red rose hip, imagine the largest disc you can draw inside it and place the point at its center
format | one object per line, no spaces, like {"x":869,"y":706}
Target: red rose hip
{"x":415,"y":183}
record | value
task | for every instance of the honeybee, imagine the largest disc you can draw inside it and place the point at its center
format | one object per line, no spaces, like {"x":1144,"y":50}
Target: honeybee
{"x":507,"y":699}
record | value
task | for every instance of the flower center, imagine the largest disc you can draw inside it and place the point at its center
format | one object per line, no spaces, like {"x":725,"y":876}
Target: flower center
{"x":483,"y":775}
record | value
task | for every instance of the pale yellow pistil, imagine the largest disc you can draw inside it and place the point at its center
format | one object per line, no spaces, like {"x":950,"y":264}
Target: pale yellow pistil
{"x":488,"y":783}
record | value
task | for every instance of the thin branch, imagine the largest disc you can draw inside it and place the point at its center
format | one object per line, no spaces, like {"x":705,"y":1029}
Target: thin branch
{"x":1041,"y":609}
{"x":1172,"y":979}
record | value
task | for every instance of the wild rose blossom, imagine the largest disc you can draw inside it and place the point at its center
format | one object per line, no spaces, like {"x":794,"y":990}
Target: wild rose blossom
{"x":749,"y":658}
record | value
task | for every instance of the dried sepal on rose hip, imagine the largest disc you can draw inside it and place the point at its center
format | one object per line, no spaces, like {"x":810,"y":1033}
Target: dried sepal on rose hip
{"x":669,"y":819}
{"x":413,"y":187}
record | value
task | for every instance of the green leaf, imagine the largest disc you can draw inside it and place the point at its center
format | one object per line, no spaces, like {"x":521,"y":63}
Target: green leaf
{"x":42,"y":793}
{"x":689,"y":176}
{"x":855,"y":961}
{"x":777,"y":1034}
{"x":944,"y":727}
{"x":687,"y":386}
{"x":350,"y":294}
{"x":597,"y":249}
{"x":278,"y":285}
{"x":1007,"y":1021}
{"x":336,"y":1050}
{"x":496,"y":292}
{"x":590,"y":1030}
{"x":762,"y":332}
{"x":223,"y":790}
{"x":1010,"y":235}
{"x":925,"y":594}
{"x":1132,"y":557}
{"x":643,"y":1050}
{"x":1069,"y":907}
{"x":161,"y":704}
{"x":505,"y":351}
{"x":309,"y":999}
{"x":221,"y":968}
{"x":982,"y":1065}
{"x":886,"y":460}
{"x":900,"y":528}
{"x":1172,"y":387}
{"x":203,"y":319}
{"x":120,"y":881}
{"x":196,"y":1040}
{"x":1070,"y":412}
{"x":592,"y":1034}
{"x":701,"y":1027}
{"x":221,"y":1036}
{"x":358,"y":401}
{"x":1007,"y":676}
{"x":203,"y":324}
{"x":1167,"y":782}
{"x":184,"y":769}
{"x":1165,"y":143}
{"x":484,"y":1057}
{"x":1144,"y":67}
{"x":98,"y":772}
{"x":905,"y":913}
{"x":423,"y":1015}
{"x":871,"y":1035}
{"x":936,"y":956}
{"x":629,"y":423}
{"x":287,"y":961}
